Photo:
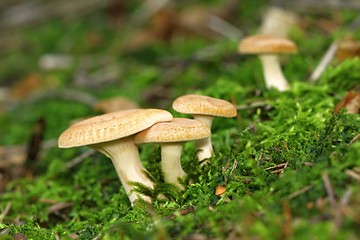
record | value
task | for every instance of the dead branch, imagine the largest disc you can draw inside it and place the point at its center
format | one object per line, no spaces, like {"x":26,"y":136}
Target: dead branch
{"x":324,"y":62}
{"x":181,"y":212}
{"x":75,"y":161}
{"x":329,"y":189}
{"x":277,"y":169}
{"x":59,"y":206}
{"x":301,"y":191}
{"x":5,"y":212}
{"x":352,"y":174}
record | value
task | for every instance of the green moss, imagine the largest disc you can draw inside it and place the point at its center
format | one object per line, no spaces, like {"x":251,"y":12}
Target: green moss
{"x":273,"y":158}
{"x":343,"y":77}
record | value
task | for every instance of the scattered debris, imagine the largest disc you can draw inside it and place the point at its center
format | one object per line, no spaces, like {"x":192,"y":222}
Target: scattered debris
{"x":5,"y":211}
{"x":181,"y":212}
{"x":301,"y":191}
{"x":347,"y":48}
{"x":324,"y":62}
{"x":355,"y":139}
{"x":55,"y":62}
{"x":351,"y":102}
{"x":279,"y":168}
{"x":19,"y":236}
{"x":354,"y":173}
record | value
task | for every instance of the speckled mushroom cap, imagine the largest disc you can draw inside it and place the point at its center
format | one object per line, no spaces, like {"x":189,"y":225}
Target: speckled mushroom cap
{"x":176,"y":130}
{"x":111,"y":126}
{"x":204,"y":105}
{"x":266,"y":44}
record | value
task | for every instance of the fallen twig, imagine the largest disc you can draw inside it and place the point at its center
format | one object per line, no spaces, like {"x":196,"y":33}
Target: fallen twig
{"x":255,"y":104}
{"x":324,"y":62}
{"x":5,"y":212}
{"x":221,"y":26}
{"x":301,"y":191}
{"x":278,"y":168}
{"x":329,"y":189}
{"x":355,"y":139}
{"x":59,"y":206}
{"x":181,"y":212}
{"x":75,"y":161}
{"x":352,"y":174}
{"x":233,"y":167}
{"x":143,"y":13}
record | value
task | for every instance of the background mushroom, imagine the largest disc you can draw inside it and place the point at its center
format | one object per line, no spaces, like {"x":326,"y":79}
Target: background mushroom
{"x":172,"y":135}
{"x":112,"y":134}
{"x":268,"y":48}
{"x":204,"y":108}
{"x":114,"y":104}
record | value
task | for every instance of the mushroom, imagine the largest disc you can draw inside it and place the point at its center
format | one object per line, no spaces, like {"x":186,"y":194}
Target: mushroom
{"x":204,"y":108}
{"x":220,"y":190}
{"x":172,"y":136}
{"x":112,"y":134}
{"x":115,"y":104}
{"x":268,"y":48}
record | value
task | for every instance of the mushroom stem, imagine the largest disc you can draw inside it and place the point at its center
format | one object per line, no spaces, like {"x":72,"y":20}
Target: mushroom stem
{"x":125,"y":157}
{"x":171,"y":162}
{"x":204,"y":146}
{"x":273,"y":74}
{"x":204,"y":150}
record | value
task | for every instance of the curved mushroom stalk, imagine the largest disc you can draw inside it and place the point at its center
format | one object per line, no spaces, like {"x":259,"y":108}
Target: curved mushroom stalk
{"x":171,"y":162}
{"x":125,"y":157}
{"x":204,"y":150}
{"x":273,"y":74}
{"x":204,"y":146}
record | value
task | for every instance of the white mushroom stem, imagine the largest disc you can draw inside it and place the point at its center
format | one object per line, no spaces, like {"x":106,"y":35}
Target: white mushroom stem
{"x":171,"y":162}
{"x":273,"y":74}
{"x":204,"y":146}
{"x":125,"y":156}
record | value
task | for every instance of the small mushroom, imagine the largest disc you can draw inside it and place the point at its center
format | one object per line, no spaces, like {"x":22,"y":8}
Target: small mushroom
{"x":115,"y":104}
{"x":204,"y":108}
{"x":172,"y":136}
{"x":220,"y":190}
{"x":268,"y":48}
{"x":112,"y":134}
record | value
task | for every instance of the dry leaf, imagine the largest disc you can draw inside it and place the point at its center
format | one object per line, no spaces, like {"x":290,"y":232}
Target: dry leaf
{"x":347,"y":48}
{"x":351,"y":102}
{"x":26,"y":86}
{"x":12,"y":156}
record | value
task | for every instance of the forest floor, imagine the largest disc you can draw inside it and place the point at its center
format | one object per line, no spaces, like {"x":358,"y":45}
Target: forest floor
{"x":288,"y":163}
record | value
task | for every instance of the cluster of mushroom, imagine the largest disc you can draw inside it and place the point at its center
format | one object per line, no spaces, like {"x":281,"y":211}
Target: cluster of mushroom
{"x":118,"y":134}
